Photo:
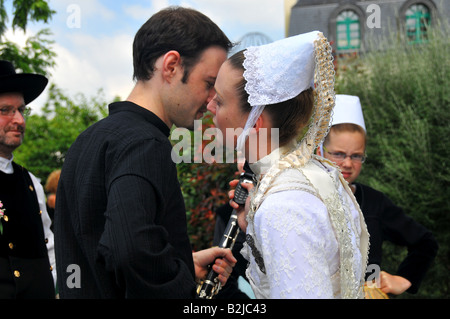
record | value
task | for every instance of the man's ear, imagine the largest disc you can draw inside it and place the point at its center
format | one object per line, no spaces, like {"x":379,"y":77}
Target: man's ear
{"x":171,"y":65}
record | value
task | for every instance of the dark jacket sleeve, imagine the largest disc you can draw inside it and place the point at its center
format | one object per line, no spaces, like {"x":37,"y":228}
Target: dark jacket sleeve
{"x":402,"y":230}
{"x":386,"y":221}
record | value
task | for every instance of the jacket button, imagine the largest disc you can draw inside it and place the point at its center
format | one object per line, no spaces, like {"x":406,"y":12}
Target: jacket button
{"x":11,"y":245}
{"x":5,"y":218}
{"x":16,"y":273}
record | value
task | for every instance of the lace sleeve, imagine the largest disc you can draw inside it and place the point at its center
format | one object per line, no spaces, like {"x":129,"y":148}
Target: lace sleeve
{"x":298,"y":245}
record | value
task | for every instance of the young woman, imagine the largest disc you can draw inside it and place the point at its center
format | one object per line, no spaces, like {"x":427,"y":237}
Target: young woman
{"x":305,"y":235}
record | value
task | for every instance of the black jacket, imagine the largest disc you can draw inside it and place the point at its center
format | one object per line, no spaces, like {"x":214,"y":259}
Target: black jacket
{"x":25,"y":271}
{"x":385,"y":221}
{"x":120,"y":214}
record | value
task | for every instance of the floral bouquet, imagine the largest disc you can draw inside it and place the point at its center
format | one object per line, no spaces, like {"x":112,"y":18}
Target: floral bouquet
{"x":2,"y":214}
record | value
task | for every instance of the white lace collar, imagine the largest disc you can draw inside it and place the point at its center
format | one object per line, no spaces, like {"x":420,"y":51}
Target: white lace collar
{"x":6,"y":165}
{"x":262,"y":166}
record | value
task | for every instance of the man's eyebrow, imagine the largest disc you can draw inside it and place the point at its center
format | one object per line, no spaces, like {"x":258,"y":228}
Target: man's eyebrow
{"x":4,"y":105}
{"x":10,"y":105}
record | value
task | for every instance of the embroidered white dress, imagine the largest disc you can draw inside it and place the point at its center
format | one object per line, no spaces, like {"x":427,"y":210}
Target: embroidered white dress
{"x":306,"y":236}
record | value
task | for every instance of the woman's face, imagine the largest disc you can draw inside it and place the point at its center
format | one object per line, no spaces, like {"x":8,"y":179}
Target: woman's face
{"x":226,"y":103}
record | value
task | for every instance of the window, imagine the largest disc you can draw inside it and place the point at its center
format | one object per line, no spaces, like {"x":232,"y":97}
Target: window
{"x":348,"y":33}
{"x":418,"y":18}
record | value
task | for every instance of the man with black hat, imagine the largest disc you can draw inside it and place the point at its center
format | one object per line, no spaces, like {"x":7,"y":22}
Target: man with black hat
{"x":27,"y":267}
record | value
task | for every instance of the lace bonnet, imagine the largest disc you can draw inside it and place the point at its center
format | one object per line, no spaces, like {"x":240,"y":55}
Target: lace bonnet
{"x":281,"y":70}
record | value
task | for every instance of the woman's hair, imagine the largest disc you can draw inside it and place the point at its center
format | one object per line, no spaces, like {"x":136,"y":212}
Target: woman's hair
{"x":290,"y":116}
{"x":184,"y":30}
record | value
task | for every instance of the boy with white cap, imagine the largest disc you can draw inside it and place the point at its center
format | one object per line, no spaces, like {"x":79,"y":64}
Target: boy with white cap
{"x":345,"y":144}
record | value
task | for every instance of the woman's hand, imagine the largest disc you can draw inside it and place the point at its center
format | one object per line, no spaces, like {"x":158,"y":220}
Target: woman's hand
{"x":241,"y":211}
{"x":222,"y":258}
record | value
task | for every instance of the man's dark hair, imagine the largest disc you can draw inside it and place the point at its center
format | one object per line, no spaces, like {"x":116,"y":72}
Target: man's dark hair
{"x":184,"y":30}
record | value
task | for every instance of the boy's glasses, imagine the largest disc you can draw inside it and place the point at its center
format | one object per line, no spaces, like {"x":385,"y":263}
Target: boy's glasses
{"x":340,"y":157}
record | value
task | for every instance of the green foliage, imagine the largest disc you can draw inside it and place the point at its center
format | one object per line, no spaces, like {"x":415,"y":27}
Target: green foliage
{"x":25,"y":11}
{"x":37,"y":55}
{"x":404,"y":91}
{"x":49,"y":136}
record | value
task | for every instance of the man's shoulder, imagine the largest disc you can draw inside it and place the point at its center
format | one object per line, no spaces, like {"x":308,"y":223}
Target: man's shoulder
{"x":125,"y":127}
{"x":370,"y":191}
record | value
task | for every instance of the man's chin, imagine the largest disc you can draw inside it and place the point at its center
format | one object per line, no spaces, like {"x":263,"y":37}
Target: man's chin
{"x":9,"y":148}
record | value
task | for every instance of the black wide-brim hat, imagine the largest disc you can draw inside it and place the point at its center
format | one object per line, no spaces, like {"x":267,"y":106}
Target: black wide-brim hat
{"x":29,"y":84}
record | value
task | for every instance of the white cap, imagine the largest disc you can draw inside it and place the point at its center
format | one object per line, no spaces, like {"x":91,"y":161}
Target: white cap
{"x":348,"y":110}
{"x":277,"y":72}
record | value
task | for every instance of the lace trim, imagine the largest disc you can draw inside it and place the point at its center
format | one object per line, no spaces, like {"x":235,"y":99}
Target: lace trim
{"x":341,"y":221}
{"x":324,"y":100}
{"x":365,"y":242}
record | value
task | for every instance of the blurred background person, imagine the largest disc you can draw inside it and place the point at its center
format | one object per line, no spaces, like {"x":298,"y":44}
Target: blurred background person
{"x":51,"y":186}
{"x":345,"y":145}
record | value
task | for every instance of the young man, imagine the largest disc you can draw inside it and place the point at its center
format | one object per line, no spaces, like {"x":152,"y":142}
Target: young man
{"x":120,"y":216}
{"x":346,"y":146}
{"x":27,"y":259}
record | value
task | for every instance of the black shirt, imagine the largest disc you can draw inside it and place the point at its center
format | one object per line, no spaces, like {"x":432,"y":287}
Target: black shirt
{"x":120,"y":214}
{"x":385,"y":221}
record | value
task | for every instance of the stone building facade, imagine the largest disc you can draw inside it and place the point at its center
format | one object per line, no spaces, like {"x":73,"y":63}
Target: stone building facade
{"x":350,"y":24}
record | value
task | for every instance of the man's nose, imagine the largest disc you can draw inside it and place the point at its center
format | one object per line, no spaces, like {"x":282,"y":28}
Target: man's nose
{"x":18,"y":117}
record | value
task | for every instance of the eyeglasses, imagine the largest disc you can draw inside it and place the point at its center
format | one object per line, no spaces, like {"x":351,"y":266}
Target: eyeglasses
{"x":11,"y":112}
{"x":340,"y":157}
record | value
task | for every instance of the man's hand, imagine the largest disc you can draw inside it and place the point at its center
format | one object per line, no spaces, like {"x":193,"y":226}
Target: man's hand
{"x":223,"y":265}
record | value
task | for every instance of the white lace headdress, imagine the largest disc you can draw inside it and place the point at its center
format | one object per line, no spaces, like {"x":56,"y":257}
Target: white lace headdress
{"x":280,"y":71}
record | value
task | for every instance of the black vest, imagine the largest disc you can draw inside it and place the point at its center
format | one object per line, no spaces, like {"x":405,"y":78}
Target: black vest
{"x":24,"y":265}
